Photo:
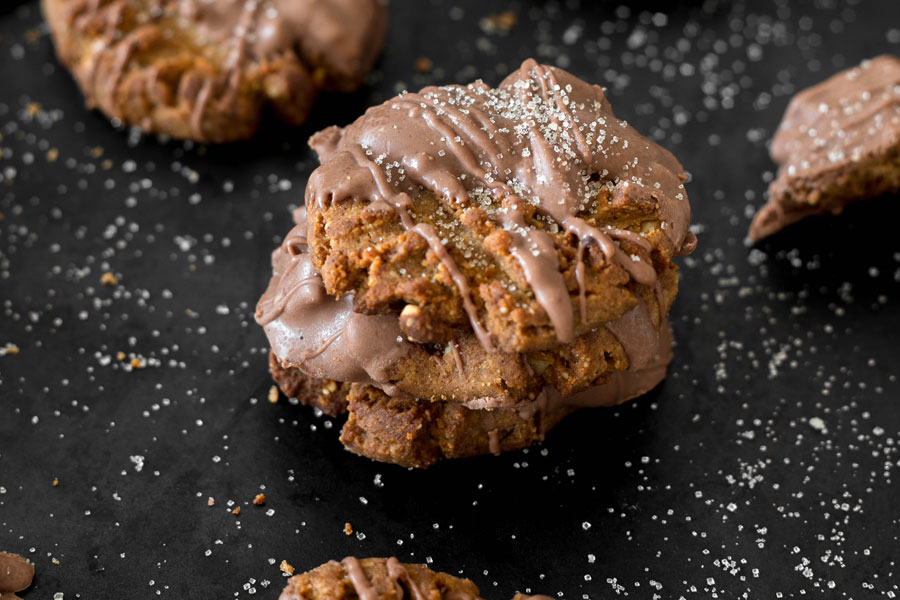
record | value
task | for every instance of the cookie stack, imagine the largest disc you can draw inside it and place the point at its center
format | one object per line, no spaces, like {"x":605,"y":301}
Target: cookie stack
{"x":473,"y":264}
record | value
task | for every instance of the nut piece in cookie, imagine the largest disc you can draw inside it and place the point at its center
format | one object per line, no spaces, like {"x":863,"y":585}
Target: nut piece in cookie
{"x":838,"y":142}
{"x":376,"y":579}
{"x":202,"y":70}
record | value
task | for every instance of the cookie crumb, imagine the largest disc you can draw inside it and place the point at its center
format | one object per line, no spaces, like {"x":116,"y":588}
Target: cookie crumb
{"x":55,"y":482}
{"x":423,"y":64}
{"x":137,"y":363}
{"x":273,"y":394}
{"x":236,"y":511}
{"x":109,"y":279}
{"x":348,"y":529}
{"x":211,"y":501}
{"x":259,"y":500}
{"x":286,"y":568}
{"x":9,"y":348}
{"x":502,"y":22}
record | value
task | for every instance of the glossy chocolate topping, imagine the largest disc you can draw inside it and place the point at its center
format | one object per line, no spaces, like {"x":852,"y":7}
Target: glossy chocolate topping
{"x":358,"y":578}
{"x":296,"y":47}
{"x":841,"y":119}
{"x":542,"y":138}
{"x":325,"y":338}
{"x":624,"y":385}
{"x":398,"y":574}
{"x":321,"y":335}
{"x":830,"y":136}
{"x":335,"y":34}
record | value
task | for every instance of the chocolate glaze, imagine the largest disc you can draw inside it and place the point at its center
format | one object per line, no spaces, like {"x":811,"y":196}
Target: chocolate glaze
{"x":335,"y":34}
{"x":637,"y":334}
{"x":543,"y":137}
{"x":828,"y":129}
{"x":397,"y":574}
{"x":335,"y":41}
{"x":358,"y":578}
{"x":550,"y":406}
{"x":325,"y":338}
{"x":319,"y":334}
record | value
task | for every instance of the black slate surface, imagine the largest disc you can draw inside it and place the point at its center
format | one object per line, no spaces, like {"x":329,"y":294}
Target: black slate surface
{"x":764,"y":467}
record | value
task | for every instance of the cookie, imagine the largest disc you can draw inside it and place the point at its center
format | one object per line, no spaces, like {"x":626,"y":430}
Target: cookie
{"x":380,"y":579}
{"x":838,"y":142}
{"x":502,"y":307}
{"x":206,"y":71}
{"x":376,"y":579}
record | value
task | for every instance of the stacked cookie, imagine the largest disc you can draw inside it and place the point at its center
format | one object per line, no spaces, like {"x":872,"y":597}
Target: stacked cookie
{"x":475,"y":263}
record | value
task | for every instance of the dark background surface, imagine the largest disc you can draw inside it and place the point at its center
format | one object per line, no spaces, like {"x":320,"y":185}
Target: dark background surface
{"x":764,"y":465}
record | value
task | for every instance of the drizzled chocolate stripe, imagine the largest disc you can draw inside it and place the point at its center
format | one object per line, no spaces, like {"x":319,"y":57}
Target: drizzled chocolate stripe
{"x":398,"y":574}
{"x":358,"y":578}
{"x":338,"y":37}
{"x":537,"y":139}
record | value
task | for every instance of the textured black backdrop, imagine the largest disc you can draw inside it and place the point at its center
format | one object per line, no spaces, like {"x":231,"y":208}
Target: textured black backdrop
{"x":764,"y":465}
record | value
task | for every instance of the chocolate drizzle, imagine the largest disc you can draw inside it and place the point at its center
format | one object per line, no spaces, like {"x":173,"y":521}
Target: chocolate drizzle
{"x":838,"y":142}
{"x":319,"y":334}
{"x":399,"y":577}
{"x":315,"y":43}
{"x":397,"y":572}
{"x":358,"y":578}
{"x":543,"y":142}
{"x":325,"y":338}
